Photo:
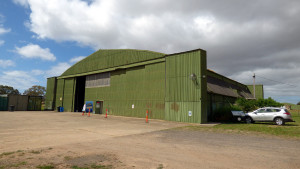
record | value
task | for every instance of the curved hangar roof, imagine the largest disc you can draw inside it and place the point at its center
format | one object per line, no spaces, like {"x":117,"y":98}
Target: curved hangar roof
{"x":111,"y":59}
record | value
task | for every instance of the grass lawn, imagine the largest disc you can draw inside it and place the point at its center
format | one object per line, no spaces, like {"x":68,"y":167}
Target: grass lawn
{"x":289,"y":130}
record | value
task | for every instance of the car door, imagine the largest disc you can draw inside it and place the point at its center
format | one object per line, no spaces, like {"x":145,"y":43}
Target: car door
{"x":258,"y":115}
{"x":270,"y":114}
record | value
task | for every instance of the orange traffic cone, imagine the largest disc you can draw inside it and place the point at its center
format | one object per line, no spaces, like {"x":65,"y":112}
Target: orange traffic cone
{"x":147,"y":116}
{"x":106,"y":114}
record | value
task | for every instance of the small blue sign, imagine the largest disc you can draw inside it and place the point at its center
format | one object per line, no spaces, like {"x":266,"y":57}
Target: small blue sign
{"x":89,"y":106}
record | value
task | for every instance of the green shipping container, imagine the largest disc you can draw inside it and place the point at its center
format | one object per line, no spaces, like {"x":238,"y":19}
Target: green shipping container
{"x":34,"y":103}
{"x":3,"y":103}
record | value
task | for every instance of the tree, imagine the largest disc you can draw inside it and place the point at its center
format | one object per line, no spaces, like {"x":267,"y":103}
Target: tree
{"x":298,"y":103}
{"x":8,"y":90}
{"x":35,"y":90}
{"x":249,"y":105}
{"x":269,"y":102}
{"x":246,"y":105}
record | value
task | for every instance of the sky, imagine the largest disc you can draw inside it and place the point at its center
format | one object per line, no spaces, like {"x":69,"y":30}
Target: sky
{"x":43,"y":38}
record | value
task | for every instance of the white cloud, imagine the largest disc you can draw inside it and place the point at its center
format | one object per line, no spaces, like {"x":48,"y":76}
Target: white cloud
{"x":37,"y":72}
{"x":162,"y":26}
{"x":239,"y":36}
{"x":35,"y":51}
{"x":58,"y":69}
{"x":6,"y":63}
{"x":77,"y":59}
{"x":21,"y":2}
{"x":20,"y":80}
{"x":3,"y":30}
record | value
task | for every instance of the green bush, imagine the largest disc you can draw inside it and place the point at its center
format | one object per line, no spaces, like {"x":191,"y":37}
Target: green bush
{"x":246,"y":105}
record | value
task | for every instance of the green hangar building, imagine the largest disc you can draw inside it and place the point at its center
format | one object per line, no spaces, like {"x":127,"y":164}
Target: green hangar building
{"x":126,"y":82}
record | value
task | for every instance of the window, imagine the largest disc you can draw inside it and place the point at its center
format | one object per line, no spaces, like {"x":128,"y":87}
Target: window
{"x":98,"y":80}
{"x":270,"y":110}
{"x":261,"y":111}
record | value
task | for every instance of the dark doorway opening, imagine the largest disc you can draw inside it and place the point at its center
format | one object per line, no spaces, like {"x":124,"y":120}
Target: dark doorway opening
{"x":99,"y":107}
{"x":79,"y":94}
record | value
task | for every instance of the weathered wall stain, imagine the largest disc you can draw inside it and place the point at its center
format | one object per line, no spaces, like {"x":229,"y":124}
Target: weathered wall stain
{"x":175,"y":107}
{"x":160,"y":106}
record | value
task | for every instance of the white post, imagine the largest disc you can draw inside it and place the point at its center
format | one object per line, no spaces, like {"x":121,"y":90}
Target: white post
{"x":254,"y":86}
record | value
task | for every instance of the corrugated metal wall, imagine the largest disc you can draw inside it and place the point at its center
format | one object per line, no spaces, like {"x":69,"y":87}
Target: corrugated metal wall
{"x":59,"y":92}
{"x":259,"y":91}
{"x":163,"y":87}
{"x":69,"y":95}
{"x":183,"y":95}
{"x":103,"y":59}
{"x":141,"y":86}
{"x":34,"y":103}
{"x":3,"y":103}
{"x":20,"y":102}
{"x":50,"y":94}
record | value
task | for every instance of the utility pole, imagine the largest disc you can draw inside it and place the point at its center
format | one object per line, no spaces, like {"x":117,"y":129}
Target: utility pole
{"x":254,"y":85}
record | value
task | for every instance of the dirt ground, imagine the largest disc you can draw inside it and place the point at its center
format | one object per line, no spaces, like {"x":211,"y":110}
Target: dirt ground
{"x":69,"y":140}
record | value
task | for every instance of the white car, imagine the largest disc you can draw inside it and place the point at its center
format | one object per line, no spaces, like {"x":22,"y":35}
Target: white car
{"x":269,"y":114}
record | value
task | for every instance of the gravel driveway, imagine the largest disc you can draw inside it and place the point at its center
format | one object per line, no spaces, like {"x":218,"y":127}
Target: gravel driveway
{"x":69,"y":140}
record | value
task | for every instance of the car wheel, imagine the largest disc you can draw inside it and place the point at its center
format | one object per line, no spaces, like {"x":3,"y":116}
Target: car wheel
{"x":248,"y":120}
{"x":279,"y":121}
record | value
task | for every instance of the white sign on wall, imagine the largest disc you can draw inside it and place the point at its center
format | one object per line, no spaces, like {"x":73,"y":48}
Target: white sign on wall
{"x":132,"y":106}
{"x":190,"y":113}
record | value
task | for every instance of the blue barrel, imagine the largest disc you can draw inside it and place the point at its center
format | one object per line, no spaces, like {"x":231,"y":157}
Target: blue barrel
{"x":61,"y":109}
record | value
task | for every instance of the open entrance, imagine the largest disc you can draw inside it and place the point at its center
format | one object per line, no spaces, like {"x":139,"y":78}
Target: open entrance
{"x":99,"y":107}
{"x":79,"y":94}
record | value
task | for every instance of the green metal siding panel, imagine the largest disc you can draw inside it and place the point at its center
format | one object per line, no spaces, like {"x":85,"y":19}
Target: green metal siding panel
{"x":68,"y":97}
{"x":179,"y":85}
{"x":114,"y":68}
{"x":3,"y":103}
{"x":179,"y":111}
{"x":59,"y":92}
{"x":19,"y":101}
{"x":182,"y":93}
{"x":34,"y":103}
{"x":104,"y":59}
{"x":259,"y":91}
{"x":50,"y":94}
{"x":141,"y":86}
